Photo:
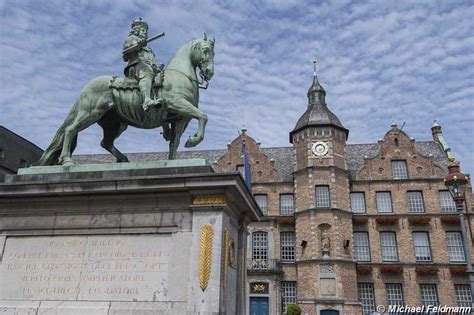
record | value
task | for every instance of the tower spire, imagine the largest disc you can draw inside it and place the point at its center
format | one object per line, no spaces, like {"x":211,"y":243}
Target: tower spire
{"x":316,"y":93}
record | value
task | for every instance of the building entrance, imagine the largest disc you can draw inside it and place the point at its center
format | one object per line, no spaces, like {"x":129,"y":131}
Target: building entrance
{"x":259,"y":306}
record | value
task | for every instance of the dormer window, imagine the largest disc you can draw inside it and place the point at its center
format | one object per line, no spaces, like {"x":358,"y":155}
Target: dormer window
{"x":399,"y":169}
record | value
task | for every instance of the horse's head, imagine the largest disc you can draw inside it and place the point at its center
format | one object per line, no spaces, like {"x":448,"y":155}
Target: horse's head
{"x":205,"y":57}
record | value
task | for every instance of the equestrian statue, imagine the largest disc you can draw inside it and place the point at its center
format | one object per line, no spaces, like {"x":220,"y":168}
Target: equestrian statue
{"x":149,"y":96}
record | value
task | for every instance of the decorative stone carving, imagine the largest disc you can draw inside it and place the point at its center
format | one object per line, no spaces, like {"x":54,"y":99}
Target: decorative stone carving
{"x":328,"y":269}
{"x":210,"y":200}
{"x":325,"y":240}
{"x":328,"y":286}
{"x":259,"y":288}
{"x":205,"y":255}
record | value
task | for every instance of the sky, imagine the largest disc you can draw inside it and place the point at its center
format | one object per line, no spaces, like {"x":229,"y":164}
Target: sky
{"x":380,"y":62}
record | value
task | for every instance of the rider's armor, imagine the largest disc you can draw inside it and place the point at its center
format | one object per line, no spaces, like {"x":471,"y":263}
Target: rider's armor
{"x":141,"y":65}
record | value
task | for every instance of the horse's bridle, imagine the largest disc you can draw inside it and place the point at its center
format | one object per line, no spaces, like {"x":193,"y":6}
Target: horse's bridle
{"x":199,"y":83}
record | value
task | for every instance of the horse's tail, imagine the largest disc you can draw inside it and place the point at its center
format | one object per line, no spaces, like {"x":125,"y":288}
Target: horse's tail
{"x":52,"y":153}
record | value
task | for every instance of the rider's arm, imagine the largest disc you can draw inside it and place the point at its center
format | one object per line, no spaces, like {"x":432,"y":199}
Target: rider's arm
{"x":131,"y":40}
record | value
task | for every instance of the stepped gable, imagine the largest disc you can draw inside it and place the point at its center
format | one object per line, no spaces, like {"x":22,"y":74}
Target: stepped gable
{"x":428,"y":158}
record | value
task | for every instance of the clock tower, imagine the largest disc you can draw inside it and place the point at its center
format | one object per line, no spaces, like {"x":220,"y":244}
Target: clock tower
{"x":323,"y":220}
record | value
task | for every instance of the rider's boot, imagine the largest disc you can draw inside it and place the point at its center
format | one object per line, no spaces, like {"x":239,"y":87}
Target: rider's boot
{"x":145,"y":88}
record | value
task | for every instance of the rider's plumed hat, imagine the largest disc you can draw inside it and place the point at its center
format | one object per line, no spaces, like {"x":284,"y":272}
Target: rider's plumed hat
{"x":139,"y":22}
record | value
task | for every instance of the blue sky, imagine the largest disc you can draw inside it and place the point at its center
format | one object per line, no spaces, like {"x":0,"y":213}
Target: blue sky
{"x":380,"y":61}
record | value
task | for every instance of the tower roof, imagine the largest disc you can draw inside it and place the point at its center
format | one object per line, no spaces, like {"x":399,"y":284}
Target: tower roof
{"x":317,"y":113}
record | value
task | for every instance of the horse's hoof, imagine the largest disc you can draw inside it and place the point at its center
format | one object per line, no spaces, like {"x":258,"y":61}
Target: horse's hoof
{"x":189,"y":144}
{"x":67,"y":163}
{"x":192,"y":142}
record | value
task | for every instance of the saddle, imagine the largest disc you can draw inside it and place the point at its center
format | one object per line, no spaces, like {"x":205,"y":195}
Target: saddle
{"x":128,"y":100}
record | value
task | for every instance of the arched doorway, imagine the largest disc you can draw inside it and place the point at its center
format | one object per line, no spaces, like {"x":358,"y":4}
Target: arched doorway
{"x":329,"y":312}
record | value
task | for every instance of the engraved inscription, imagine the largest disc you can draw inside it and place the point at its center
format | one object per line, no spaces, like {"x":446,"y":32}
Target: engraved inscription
{"x":106,"y":267}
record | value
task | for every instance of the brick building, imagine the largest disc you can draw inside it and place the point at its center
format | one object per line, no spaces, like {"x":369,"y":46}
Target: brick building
{"x":16,"y":152}
{"x":347,"y":227}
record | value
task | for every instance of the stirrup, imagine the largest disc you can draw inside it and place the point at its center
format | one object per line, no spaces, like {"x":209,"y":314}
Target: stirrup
{"x":153,"y":103}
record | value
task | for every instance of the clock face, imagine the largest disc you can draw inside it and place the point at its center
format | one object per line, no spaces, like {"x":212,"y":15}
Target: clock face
{"x":319,"y":148}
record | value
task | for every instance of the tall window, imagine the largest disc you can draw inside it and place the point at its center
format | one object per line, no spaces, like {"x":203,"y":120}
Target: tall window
{"x":421,"y":243}
{"x":384,"y":201}
{"x":394,"y":294}
{"x":388,"y":244}
{"x":22,"y":163}
{"x":288,"y":293}
{"x":358,"y":202}
{"x":447,"y":202}
{"x":366,"y":295}
{"x":361,"y":246}
{"x":455,"y":247}
{"x":241,"y":170}
{"x":2,"y":154}
{"x":260,"y":246}
{"x":463,"y":294}
{"x":415,"y":201}
{"x":287,"y":204}
{"x":262,"y":202}
{"x":399,"y":170}
{"x":322,"y":197}
{"x":429,"y":295}
{"x":287,"y":241}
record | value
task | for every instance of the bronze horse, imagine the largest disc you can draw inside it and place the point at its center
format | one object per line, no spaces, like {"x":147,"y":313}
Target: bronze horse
{"x":115,"y":109}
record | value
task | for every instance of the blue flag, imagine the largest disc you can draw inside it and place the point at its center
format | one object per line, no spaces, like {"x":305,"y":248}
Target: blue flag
{"x":248,"y":176}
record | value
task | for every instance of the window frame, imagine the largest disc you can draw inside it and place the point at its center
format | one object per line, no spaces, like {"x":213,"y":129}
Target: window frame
{"x":367,"y":308}
{"x":289,"y":294}
{"x":354,"y":193}
{"x":421,"y":201}
{"x":459,"y":297}
{"x":364,"y":247}
{"x":241,"y":169}
{"x":260,"y":252}
{"x":264,"y":209}
{"x":445,"y":195}
{"x":281,"y":204}
{"x":289,"y":249}
{"x":398,"y":301}
{"x":382,"y":193}
{"x":382,"y":247}
{"x":395,"y":170}
{"x":323,"y":198}
{"x":450,"y":251}
{"x":422,"y":246}
{"x":429,"y":302}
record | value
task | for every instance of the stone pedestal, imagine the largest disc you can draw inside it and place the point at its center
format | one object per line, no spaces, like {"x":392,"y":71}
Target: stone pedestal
{"x":146,"y":238}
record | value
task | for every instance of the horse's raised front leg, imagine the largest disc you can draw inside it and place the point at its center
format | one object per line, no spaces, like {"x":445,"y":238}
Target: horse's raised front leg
{"x":177,"y":130}
{"x":185,"y":109}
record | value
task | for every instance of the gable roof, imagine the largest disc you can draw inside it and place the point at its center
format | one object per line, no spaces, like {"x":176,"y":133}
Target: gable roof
{"x":283,"y":156}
